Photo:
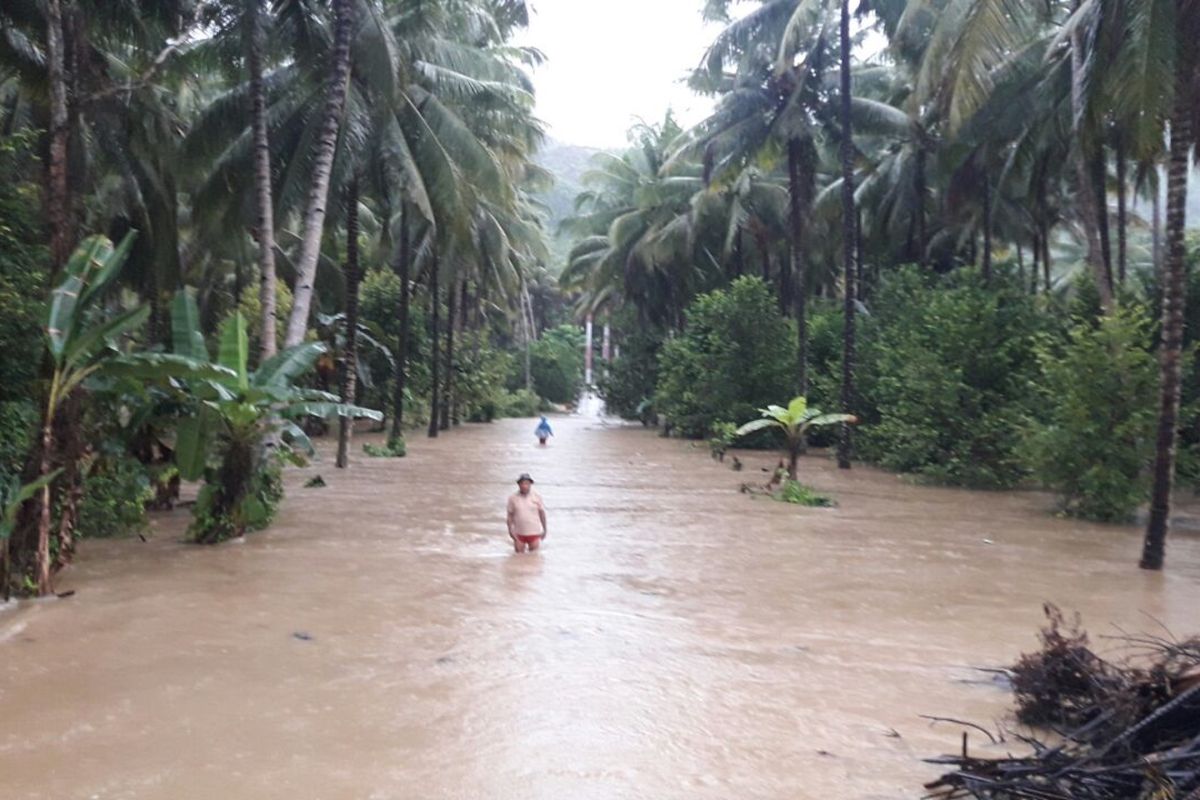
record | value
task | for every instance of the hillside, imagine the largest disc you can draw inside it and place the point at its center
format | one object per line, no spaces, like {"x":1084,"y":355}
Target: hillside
{"x":568,"y":163}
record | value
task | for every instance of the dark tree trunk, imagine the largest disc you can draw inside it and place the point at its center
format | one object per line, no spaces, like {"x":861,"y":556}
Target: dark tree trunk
{"x":1034,"y":271}
{"x":860,"y":258}
{"x":987,"y":227}
{"x":451,"y":320}
{"x":845,"y":442}
{"x":1156,"y":231}
{"x":58,"y":197}
{"x":256,"y":42}
{"x":434,"y":354}
{"x":1020,"y":265}
{"x":922,"y":231}
{"x":1170,"y":351}
{"x":321,"y":169}
{"x":1122,"y":212}
{"x":739,"y":255}
{"x":403,"y":257}
{"x":1085,"y":194}
{"x":798,"y":166}
{"x":1046,"y":265}
{"x":350,"y":357}
{"x":1099,"y":185}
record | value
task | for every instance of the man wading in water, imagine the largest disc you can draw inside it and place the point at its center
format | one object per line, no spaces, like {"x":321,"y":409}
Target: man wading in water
{"x":526,"y":516}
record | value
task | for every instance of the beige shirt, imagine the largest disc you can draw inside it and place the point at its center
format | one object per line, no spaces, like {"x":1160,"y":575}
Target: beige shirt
{"x":523,"y":511}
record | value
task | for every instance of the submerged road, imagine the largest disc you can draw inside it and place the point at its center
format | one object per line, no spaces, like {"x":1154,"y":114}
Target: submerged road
{"x":674,"y":639}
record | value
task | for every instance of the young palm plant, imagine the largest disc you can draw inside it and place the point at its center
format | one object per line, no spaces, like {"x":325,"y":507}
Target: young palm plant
{"x":795,"y":422}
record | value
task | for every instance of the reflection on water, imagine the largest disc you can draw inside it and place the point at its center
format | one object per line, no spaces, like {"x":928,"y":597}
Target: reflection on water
{"x":675,"y":639}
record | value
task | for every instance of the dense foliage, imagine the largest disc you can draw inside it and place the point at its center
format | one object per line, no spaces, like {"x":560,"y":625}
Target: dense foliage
{"x":735,"y":355}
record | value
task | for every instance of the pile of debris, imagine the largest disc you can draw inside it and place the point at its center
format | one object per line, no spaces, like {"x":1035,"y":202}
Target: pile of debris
{"x":1107,"y":731}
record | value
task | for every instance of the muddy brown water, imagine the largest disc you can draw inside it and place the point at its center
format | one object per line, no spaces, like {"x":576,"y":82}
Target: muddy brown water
{"x":675,"y":639}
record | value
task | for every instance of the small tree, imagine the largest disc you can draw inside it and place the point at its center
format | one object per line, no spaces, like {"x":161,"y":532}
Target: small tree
{"x":795,"y":422}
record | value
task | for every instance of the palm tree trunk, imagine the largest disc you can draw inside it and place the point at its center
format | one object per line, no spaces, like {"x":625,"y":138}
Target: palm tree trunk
{"x":42,"y":553}
{"x":1020,"y":265}
{"x":1100,"y":186}
{"x":796,"y":208}
{"x":922,"y":230}
{"x":402,"y":269}
{"x":1122,"y":212}
{"x":350,"y":357}
{"x":1085,"y":196}
{"x":58,"y":200}
{"x":1037,"y":262}
{"x":448,"y":393}
{"x":1156,"y":232}
{"x":434,"y":356}
{"x":987,"y":227}
{"x":1046,"y":265}
{"x":845,"y":441}
{"x":265,"y":212}
{"x":1171,"y":348}
{"x":322,"y":167}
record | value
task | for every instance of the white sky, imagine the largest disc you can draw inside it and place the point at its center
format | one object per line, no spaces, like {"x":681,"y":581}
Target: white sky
{"x":610,"y":61}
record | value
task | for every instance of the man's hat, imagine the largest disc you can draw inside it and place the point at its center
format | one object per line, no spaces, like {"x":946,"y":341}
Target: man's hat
{"x":525,"y":477}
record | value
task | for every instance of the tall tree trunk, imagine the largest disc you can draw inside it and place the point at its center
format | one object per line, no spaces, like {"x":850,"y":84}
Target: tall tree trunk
{"x":403,"y":257}
{"x":58,"y":198}
{"x":796,"y":212}
{"x":1156,"y":232}
{"x":588,"y":351}
{"x":1122,"y":212}
{"x":451,"y":321}
{"x":1170,"y":351}
{"x":1100,"y":186}
{"x":987,"y":227}
{"x":922,"y":230}
{"x":739,"y":255}
{"x":1020,"y":265}
{"x":1085,"y":195}
{"x":1046,"y":265}
{"x":256,"y":43}
{"x":845,"y":442}
{"x":322,"y":167}
{"x":1034,"y":271}
{"x":350,"y":357}
{"x":434,"y":355}
{"x":860,"y":258}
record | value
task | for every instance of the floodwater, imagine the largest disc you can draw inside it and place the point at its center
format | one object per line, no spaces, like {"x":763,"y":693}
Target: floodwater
{"x":674,"y":639}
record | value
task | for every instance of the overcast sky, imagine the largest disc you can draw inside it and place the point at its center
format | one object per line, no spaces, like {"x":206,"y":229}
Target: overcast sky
{"x":613,"y":60}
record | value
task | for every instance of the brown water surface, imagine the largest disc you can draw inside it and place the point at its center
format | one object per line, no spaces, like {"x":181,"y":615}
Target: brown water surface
{"x":675,"y":639}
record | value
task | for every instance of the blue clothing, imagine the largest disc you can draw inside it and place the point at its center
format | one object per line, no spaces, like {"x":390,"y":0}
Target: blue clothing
{"x":543,"y":429}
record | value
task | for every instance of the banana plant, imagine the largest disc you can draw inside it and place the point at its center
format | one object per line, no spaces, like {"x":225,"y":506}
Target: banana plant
{"x":79,"y":345}
{"x":227,"y":440}
{"x":795,"y":422}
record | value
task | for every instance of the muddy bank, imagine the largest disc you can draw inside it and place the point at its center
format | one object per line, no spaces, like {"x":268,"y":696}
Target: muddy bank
{"x":676,"y":639}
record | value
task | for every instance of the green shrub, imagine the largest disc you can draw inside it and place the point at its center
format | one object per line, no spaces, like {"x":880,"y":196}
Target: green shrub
{"x":736,"y":355}
{"x":629,"y":381}
{"x":521,"y":403}
{"x":115,"y":494}
{"x":395,"y":448}
{"x":556,"y":364}
{"x":944,"y":376}
{"x":721,"y":439}
{"x":24,"y":267}
{"x":480,"y":374}
{"x":798,"y":494}
{"x":1092,"y":436}
{"x":18,"y":427}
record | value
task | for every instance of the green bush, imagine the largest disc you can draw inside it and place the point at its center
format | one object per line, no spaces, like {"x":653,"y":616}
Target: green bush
{"x":521,"y":403}
{"x":798,"y":494}
{"x":737,"y":354}
{"x":556,"y":364}
{"x":944,"y":376}
{"x":629,"y":381}
{"x":480,"y":373}
{"x":1092,"y":436}
{"x":395,"y":448}
{"x":18,"y":426}
{"x":115,"y":494}
{"x":24,"y":266}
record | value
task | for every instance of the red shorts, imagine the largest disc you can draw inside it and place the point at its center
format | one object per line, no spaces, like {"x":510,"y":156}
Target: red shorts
{"x":533,"y":539}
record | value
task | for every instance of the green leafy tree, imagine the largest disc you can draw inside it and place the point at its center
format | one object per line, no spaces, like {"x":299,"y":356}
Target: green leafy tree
{"x":1092,"y":436}
{"x":735,"y":354}
{"x":557,"y":364}
{"x":794,"y":423}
